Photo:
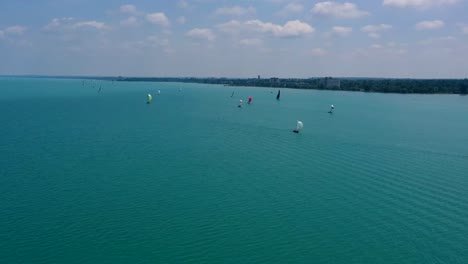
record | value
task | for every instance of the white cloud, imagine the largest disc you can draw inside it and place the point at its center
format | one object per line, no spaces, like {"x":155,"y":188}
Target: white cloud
{"x":68,"y":24}
{"x":374,"y":35}
{"x":429,"y":25}
{"x":375,"y":28}
{"x":463,"y":28}
{"x":201,"y":34}
{"x":318,"y":52}
{"x":91,"y":24}
{"x":128,"y":9}
{"x":231,"y":27}
{"x":57,"y":22}
{"x":157,"y":41}
{"x":235,"y":11}
{"x":182,"y":4}
{"x":418,"y":3}
{"x":14,"y":30}
{"x":338,"y":10}
{"x":158,"y":19}
{"x":293,"y":28}
{"x":390,"y":48}
{"x":291,"y":8}
{"x":181,"y":20}
{"x":437,"y":40}
{"x":342,"y":31}
{"x":255,"y":42}
{"x":2,"y":34}
{"x":131,"y":21}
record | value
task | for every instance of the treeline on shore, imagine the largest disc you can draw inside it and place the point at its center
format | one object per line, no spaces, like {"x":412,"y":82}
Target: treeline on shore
{"x":422,"y":86}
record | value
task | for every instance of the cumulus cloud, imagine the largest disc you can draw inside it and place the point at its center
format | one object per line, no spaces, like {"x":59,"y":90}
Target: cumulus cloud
{"x":431,"y":41}
{"x":231,"y":27}
{"x":374,"y":35}
{"x":182,"y":4}
{"x":201,"y":34}
{"x":463,"y":28}
{"x":57,"y":22}
{"x":429,"y":25}
{"x":181,"y":20}
{"x":391,"y":48}
{"x":293,"y":28}
{"x":131,"y":21}
{"x":67,"y":24}
{"x":158,"y":19}
{"x":255,"y":42}
{"x":290,"y":9}
{"x":418,"y":3}
{"x":128,"y":9}
{"x":338,"y":10}
{"x":14,"y":30}
{"x":373,"y":30}
{"x":150,"y":42}
{"x":235,"y":11}
{"x":342,"y":31}
{"x":156,"y":41}
{"x":91,"y":24}
{"x":318,"y":52}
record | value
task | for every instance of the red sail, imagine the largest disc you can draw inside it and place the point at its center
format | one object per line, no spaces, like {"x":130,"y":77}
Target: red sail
{"x":250,"y":99}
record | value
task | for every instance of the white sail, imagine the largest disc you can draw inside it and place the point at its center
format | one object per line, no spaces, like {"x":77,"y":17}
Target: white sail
{"x":159,"y":92}
{"x":150,"y":98}
{"x":299,"y":125}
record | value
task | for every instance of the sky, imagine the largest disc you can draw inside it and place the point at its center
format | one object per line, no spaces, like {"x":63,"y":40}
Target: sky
{"x":221,"y":38}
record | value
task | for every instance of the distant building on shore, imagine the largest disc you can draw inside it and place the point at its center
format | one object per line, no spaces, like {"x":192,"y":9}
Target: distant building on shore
{"x":274,"y":80}
{"x":330,"y":83}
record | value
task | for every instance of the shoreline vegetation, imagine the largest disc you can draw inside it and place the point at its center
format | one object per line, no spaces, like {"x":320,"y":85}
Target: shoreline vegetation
{"x":403,"y":86}
{"x":377,"y":85}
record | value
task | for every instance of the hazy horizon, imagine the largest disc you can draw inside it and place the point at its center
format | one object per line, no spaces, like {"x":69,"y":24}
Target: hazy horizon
{"x":418,"y":39}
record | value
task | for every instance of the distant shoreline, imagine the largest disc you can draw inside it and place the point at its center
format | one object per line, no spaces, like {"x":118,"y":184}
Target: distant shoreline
{"x":378,"y":85}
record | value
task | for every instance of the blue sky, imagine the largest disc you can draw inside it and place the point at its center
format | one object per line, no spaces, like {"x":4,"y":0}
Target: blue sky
{"x":282,"y":38}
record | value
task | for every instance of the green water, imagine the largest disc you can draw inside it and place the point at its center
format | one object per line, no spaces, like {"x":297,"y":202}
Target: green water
{"x":88,"y":177}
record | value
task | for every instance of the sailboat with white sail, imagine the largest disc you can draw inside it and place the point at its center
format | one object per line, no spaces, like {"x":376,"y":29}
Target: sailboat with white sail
{"x":299,"y":127}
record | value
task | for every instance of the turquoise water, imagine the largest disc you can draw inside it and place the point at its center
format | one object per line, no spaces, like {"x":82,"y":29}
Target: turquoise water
{"x":88,"y":177}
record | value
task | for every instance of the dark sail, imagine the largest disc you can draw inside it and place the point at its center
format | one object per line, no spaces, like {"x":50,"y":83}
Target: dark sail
{"x":278,"y":95}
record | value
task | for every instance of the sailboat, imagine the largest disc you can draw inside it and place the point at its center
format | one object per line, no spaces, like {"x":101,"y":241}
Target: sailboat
{"x":278,"y":95}
{"x":159,"y":92}
{"x":232,"y":94}
{"x":150,"y":98}
{"x":240,"y":103}
{"x":331,"y":109}
{"x":299,"y":127}
{"x":250,"y":100}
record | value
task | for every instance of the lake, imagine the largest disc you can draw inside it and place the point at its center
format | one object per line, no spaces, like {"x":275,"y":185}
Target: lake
{"x":103,"y":177}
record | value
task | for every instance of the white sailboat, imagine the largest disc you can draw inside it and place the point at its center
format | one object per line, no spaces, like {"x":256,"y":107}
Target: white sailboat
{"x":150,"y":98}
{"x":299,"y":127}
{"x":240,"y":103}
{"x":331,"y":109}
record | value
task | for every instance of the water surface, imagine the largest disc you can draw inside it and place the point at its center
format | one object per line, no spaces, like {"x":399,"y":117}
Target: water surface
{"x":88,"y":177}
